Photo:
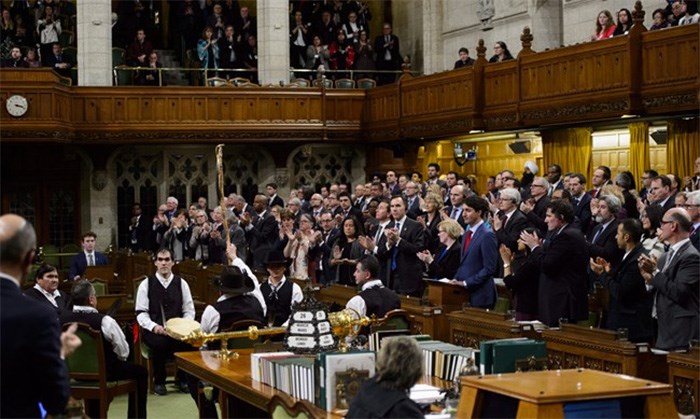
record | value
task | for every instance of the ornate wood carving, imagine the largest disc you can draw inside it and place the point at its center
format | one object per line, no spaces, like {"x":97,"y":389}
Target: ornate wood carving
{"x":684,"y":395}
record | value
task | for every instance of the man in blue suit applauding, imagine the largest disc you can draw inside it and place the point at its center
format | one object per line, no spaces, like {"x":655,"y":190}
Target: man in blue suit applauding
{"x":88,"y":257}
{"x":479,"y":255}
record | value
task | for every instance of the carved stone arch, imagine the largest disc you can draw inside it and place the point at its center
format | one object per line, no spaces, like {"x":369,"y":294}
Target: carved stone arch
{"x":318,"y":164}
{"x":246,"y":170}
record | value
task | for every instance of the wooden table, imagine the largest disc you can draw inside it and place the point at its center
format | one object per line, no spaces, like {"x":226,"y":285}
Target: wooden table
{"x":544,"y":394}
{"x":243,"y":397}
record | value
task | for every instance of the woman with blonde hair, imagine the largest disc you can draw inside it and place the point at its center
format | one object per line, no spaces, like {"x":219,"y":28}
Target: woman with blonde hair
{"x":386,"y":395}
{"x":430,"y":220}
{"x":445,"y":261}
{"x":604,"y":26}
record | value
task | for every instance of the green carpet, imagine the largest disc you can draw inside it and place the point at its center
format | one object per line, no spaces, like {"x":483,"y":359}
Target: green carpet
{"x":173,"y":405}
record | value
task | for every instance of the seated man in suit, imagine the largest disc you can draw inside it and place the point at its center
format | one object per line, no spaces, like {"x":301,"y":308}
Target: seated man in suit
{"x":630,"y":303}
{"x":116,"y":352}
{"x":374,"y":298}
{"x":46,"y":289}
{"x":479,"y":258}
{"x":88,"y":257}
{"x":675,"y":282}
{"x":159,"y":298}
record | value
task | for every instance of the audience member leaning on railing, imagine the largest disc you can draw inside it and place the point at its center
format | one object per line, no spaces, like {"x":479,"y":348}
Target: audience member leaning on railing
{"x":604,"y":26}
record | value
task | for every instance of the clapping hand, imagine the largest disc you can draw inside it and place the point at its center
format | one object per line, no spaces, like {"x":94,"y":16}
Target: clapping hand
{"x":647,"y":266}
{"x":506,"y":253}
{"x":531,"y":240}
{"x":599,"y":265}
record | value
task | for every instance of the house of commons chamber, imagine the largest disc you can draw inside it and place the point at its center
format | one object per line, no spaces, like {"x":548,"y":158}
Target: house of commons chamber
{"x":346,"y":208}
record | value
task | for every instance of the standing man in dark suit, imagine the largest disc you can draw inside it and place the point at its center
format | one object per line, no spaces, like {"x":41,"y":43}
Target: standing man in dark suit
{"x":392,"y":183}
{"x":32,"y":349}
{"x":140,"y":229}
{"x":562,"y":260}
{"x":345,"y":209}
{"x":554,"y":178}
{"x":601,"y":177}
{"x":261,"y":231}
{"x":46,"y":290}
{"x":601,"y":241}
{"x":454,"y":211}
{"x":404,"y":238}
{"x":630,"y":303}
{"x":376,"y":239}
{"x":479,"y":255}
{"x":88,"y":257}
{"x":660,"y":193}
{"x":388,"y":55}
{"x":580,"y":200}
{"x":692,"y":205}
{"x":271,"y":189}
{"x":535,"y":206}
{"x":412,"y":200}
{"x":509,"y":221}
{"x":675,"y":282}
{"x":322,"y":252}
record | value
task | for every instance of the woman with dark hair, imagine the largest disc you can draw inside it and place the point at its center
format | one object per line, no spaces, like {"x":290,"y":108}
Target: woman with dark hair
{"x":208,"y":52}
{"x":347,"y":250}
{"x":298,"y":247}
{"x":501,"y":53}
{"x":46,"y":289}
{"x":522,"y":278}
{"x":386,"y":395}
{"x":659,"y":18}
{"x":625,"y":181}
{"x":364,"y":55}
{"x":342,"y":54}
{"x":624,"y":22}
{"x":604,"y":26}
{"x":651,"y":222}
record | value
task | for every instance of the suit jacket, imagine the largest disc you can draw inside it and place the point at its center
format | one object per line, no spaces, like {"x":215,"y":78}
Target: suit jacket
{"x":64,"y":304}
{"x":32,"y":368}
{"x":382,"y":62}
{"x":630,"y":303}
{"x":277,"y":201}
{"x":459,"y":63}
{"x":141,"y":234}
{"x":459,"y":219}
{"x":261,"y":237}
{"x":413,"y":211}
{"x":477,"y":267}
{"x":677,"y":298}
{"x":563,"y":286}
{"x":445,"y":265}
{"x":583,"y":211}
{"x":407,"y":277}
{"x":352,"y":212}
{"x":695,"y":238}
{"x":670,"y":203}
{"x":384,"y":258}
{"x":605,"y":245}
{"x":431,"y":233}
{"x":510,"y":233}
{"x":79,"y":263}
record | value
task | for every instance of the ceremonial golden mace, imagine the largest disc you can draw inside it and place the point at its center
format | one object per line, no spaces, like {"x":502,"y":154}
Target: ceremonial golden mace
{"x":222,"y":199}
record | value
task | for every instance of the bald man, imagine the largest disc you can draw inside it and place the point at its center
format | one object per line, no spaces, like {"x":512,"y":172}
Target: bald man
{"x":31,"y":356}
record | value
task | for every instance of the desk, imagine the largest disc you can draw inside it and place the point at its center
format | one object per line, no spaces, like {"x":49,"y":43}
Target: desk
{"x":543,"y":394}
{"x":684,"y":376}
{"x":242,"y":396}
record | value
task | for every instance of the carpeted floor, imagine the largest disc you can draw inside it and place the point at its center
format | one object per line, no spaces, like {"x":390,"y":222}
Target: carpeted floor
{"x":173,"y":405}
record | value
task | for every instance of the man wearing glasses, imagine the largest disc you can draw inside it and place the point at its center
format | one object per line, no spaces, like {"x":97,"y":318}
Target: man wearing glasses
{"x":675,"y":279}
{"x":692,"y":205}
{"x":161,"y":297}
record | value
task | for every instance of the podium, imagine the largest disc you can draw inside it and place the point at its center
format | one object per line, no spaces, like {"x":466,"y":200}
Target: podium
{"x":556,"y":393}
{"x":450,"y":297}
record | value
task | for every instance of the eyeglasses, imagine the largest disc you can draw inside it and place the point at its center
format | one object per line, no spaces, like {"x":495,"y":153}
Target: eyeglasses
{"x":163,"y":259}
{"x":688,"y":206}
{"x":536,"y":186}
{"x":662,"y":222}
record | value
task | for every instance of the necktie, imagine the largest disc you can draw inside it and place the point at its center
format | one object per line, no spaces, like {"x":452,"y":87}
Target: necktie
{"x":671,"y":253}
{"x":58,"y":301}
{"x":410,"y":203}
{"x":576,"y":201}
{"x":91,"y":260}
{"x":467,"y":239}
{"x":395,"y":251}
{"x":454,"y":213}
{"x":597,"y":234}
{"x":378,"y":236}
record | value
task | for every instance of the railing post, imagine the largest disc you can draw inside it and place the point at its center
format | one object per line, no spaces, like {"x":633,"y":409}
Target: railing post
{"x":478,"y":87}
{"x":634,"y":43}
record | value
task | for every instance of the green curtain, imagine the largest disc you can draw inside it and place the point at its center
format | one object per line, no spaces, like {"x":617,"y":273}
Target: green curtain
{"x":639,"y":150}
{"x":570,"y":148}
{"x":682,"y":146}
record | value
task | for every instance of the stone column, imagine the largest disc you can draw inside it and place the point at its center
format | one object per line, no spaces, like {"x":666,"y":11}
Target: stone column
{"x":433,"y":54}
{"x":546,"y":24}
{"x":273,"y":41}
{"x":94,"y":27}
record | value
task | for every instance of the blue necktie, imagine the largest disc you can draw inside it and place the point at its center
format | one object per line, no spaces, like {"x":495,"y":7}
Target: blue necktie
{"x":395,"y":250}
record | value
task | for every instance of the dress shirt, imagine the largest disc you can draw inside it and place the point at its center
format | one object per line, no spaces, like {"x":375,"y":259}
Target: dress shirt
{"x":601,"y":230}
{"x":238,"y":262}
{"x":110,"y":331}
{"x":89,"y":255}
{"x":357,"y":302}
{"x":401,"y":223}
{"x":144,"y":318}
{"x":49,"y":296}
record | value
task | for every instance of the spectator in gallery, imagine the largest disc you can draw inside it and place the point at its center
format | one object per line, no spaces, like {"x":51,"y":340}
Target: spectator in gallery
{"x":501,"y":53}
{"x":464,"y":59}
{"x":604,"y":26}
{"x":342,"y":54}
{"x":317,"y":54}
{"x":364,"y":55}
{"x":388,"y":54}
{"x":15,"y":60}
{"x":298,"y":40}
{"x":624,"y":22}
{"x":152,"y":76}
{"x":138,"y":53}
{"x":659,"y":18}
{"x":49,"y":28}
{"x":208,"y":51}
{"x":250,"y":60}
{"x":32,"y":58}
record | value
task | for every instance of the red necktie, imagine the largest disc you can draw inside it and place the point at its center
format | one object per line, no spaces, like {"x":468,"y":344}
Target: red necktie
{"x":466,"y":241}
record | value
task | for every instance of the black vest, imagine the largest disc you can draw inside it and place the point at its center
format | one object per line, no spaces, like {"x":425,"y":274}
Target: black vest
{"x":279,"y":304}
{"x":240,"y":307}
{"x":169,"y":298}
{"x":94,"y":320}
{"x":380,"y":300}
